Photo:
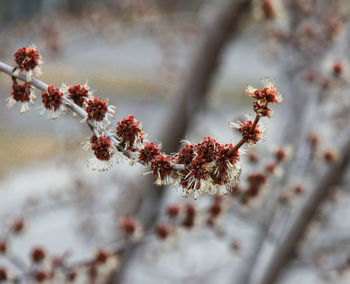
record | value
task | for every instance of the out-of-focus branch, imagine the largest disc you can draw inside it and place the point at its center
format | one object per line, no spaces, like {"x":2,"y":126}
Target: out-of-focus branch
{"x":287,"y":244}
{"x":193,"y":94}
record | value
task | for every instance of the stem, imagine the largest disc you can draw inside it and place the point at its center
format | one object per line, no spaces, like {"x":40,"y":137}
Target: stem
{"x":7,"y":69}
{"x":240,"y":143}
{"x":255,"y":123}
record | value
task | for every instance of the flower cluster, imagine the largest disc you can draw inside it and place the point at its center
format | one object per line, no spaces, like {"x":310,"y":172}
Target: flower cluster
{"x":256,"y":182}
{"x":28,"y":59}
{"x":148,"y":152}
{"x":214,"y":211}
{"x":98,"y":111}
{"x":130,"y":133}
{"x":102,"y":266}
{"x":77,"y":93}
{"x":250,"y":133}
{"x":131,"y":228}
{"x":161,"y":167}
{"x":37,"y":254}
{"x":52,"y":100}
{"x":104,"y":152}
{"x":263,"y":97}
{"x":163,"y":231}
{"x":208,"y":166}
{"x":21,"y":93}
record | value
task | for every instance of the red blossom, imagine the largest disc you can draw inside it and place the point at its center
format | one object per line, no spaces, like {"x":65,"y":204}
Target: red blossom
{"x":161,"y":166}
{"x":3,"y":247}
{"x":3,"y":274}
{"x":186,"y":154}
{"x":21,"y":92}
{"x":250,"y":136}
{"x":130,"y":132}
{"x":208,"y":160}
{"x":96,"y":109}
{"x":253,"y":157}
{"x":52,"y":98}
{"x":37,"y":254}
{"x":149,"y":152}
{"x":78,"y":94}
{"x":101,"y":147}
{"x":17,"y":225}
{"x":207,"y":149}
{"x":162,"y":231}
{"x":41,"y":276}
{"x":173,"y":210}
{"x":223,"y":162}
{"x":26,"y":58}
{"x":102,"y":256}
{"x":190,"y":210}
{"x":280,"y":155}
{"x":338,"y":68}
{"x":271,"y":168}
{"x":190,"y":214}
{"x":329,"y":156}
{"x":260,"y":107}
{"x":199,"y":169}
{"x":215,"y":209}
{"x":128,"y":225}
{"x":257,"y":179}
{"x":298,"y":189}
{"x":267,"y":93}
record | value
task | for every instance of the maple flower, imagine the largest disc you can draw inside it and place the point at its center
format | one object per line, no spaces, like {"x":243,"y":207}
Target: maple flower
{"x":148,"y":152}
{"x":190,"y":216}
{"x":99,"y":112}
{"x":18,"y":225}
{"x":41,"y":275}
{"x":104,"y":151}
{"x":163,"y":231}
{"x":161,"y":167}
{"x":23,"y":94}
{"x":28,"y":59}
{"x":37,"y":254}
{"x":227,"y":169}
{"x":251,"y":136}
{"x":78,"y":93}
{"x":269,"y":94}
{"x":130,"y":132}
{"x":52,"y":100}
{"x":131,"y":227}
{"x":3,"y":274}
{"x":104,"y":263}
{"x":208,"y":168}
{"x":3,"y":247}
{"x":173,"y":210}
{"x":283,"y":154}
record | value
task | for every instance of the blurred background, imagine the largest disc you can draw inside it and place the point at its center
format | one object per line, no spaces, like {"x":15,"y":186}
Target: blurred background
{"x":181,"y":68}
